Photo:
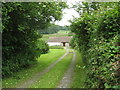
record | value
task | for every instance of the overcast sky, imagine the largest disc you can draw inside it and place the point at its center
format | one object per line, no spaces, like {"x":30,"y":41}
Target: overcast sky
{"x":68,"y":14}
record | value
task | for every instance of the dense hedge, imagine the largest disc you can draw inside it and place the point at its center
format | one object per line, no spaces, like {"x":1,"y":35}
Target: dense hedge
{"x":97,"y":36}
{"x":21,"y":22}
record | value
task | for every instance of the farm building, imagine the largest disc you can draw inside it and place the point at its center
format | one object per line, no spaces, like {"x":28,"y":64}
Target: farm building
{"x":60,"y":41}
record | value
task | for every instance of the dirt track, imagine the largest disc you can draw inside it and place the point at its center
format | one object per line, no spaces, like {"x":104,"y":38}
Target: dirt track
{"x":37,"y":76}
{"x":67,"y":78}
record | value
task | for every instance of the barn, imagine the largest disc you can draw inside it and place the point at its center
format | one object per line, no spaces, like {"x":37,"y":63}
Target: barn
{"x":59,"y":41}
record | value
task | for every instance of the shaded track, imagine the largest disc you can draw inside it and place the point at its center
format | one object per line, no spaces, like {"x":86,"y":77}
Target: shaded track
{"x":67,"y":78}
{"x":37,"y":76}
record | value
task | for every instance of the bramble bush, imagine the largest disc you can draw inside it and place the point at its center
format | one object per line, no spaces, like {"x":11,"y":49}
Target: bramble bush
{"x":97,"y":36}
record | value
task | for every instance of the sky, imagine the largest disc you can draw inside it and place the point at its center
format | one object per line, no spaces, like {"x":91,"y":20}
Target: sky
{"x":68,"y":14}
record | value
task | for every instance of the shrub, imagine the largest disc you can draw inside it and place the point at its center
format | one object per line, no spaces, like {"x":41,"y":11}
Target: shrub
{"x":42,"y":46}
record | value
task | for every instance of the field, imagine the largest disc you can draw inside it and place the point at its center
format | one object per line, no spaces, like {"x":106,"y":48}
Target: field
{"x":59,"y":34}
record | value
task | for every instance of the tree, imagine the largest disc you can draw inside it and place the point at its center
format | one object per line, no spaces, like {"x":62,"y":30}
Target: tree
{"x":21,"y":22}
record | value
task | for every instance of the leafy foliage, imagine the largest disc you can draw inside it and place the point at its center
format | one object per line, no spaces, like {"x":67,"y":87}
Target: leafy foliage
{"x":42,"y":46}
{"x":21,"y":22}
{"x":97,"y":36}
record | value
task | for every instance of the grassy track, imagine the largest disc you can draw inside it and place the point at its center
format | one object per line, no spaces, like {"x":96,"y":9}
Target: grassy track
{"x":52,"y":78}
{"x":43,"y":62}
{"x":79,"y":73}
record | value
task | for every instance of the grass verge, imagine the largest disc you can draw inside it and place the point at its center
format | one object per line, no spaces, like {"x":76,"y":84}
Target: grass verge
{"x":43,"y":61}
{"x":53,"y":77}
{"x":79,"y":72}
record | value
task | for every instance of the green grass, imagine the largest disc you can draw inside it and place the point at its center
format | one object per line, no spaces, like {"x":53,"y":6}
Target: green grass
{"x":79,"y":73}
{"x":53,"y":77}
{"x":44,"y":61}
{"x":63,"y":32}
{"x":56,"y":47}
{"x":59,"y":34}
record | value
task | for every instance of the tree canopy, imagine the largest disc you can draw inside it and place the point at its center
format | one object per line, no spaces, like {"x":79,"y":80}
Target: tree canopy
{"x":21,"y":22}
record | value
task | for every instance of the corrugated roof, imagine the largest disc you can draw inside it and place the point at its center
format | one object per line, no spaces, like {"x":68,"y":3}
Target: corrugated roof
{"x":59,"y":39}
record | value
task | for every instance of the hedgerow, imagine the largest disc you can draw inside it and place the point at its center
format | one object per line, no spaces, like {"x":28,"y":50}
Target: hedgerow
{"x":97,"y":36}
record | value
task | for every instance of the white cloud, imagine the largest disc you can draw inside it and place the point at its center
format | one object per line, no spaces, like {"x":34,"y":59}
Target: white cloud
{"x":68,"y":14}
